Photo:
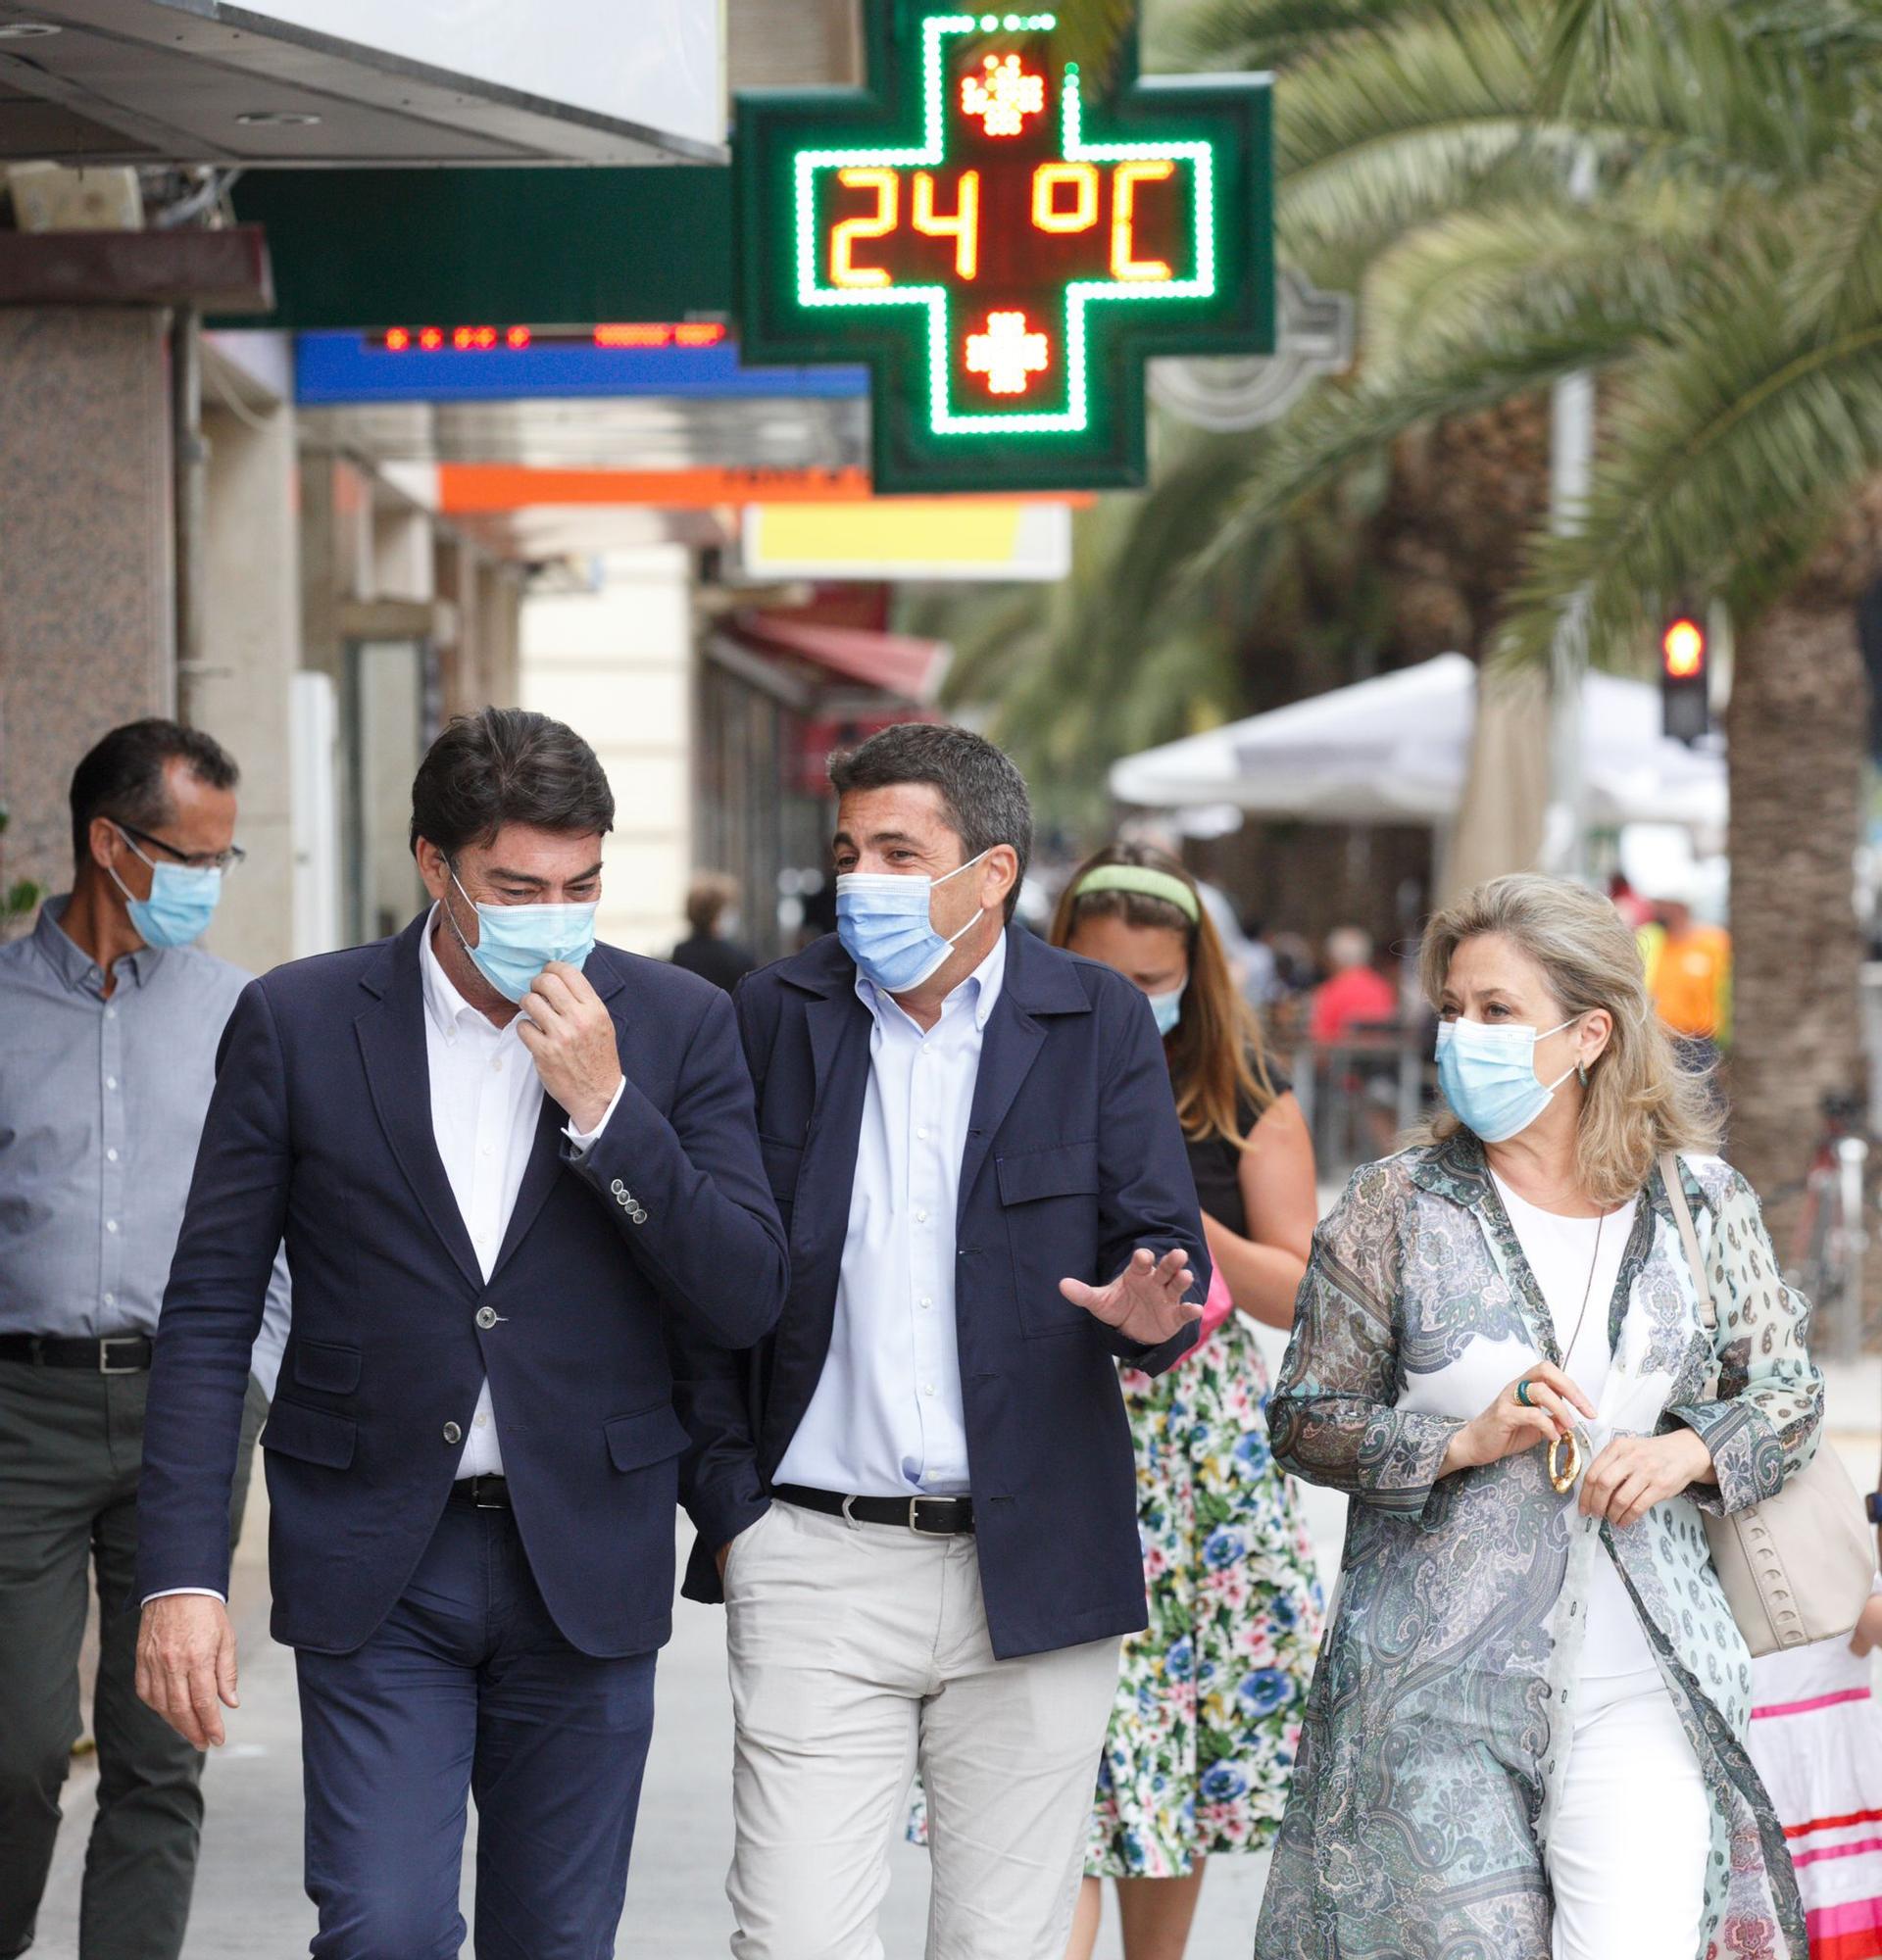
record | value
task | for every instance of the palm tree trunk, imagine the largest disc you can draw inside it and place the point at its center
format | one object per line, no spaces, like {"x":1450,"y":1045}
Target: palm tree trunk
{"x":1799,"y":729}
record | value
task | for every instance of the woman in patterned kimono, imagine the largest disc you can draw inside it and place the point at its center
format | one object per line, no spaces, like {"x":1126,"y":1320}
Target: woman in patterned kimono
{"x":1525,"y":1738}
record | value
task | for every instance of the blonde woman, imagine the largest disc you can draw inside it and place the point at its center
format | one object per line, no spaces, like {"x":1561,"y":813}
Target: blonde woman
{"x":1525,"y":1739}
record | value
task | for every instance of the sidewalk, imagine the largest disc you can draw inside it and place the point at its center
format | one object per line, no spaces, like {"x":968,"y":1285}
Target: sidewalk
{"x":249,"y":1905}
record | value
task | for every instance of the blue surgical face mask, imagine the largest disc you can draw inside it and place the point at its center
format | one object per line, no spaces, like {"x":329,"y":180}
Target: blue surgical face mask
{"x":1167,"y":1007}
{"x":1488,"y":1075}
{"x":514,"y":943}
{"x":182,"y":901}
{"x":883,"y":919}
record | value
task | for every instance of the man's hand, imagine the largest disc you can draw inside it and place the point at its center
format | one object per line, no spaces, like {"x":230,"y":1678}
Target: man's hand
{"x":186,"y":1664}
{"x":1634,"y":1473}
{"x":1145,"y":1303}
{"x":572,"y":1040}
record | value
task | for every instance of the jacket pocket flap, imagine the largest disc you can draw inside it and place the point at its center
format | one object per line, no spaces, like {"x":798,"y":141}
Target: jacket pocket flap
{"x":311,"y":1435}
{"x":330,"y":1366}
{"x":1065,"y":1170}
{"x":651,"y":1436}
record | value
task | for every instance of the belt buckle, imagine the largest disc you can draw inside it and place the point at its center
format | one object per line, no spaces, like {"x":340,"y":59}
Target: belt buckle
{"x":914,"y":1514}
{"x":106,"y":1342}
{"x":476,"y":1497}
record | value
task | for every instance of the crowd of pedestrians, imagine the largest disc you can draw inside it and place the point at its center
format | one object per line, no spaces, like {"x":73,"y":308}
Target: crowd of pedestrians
{"x":922,"y":1267}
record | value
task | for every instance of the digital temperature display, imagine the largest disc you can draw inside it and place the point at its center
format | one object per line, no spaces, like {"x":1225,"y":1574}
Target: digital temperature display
{"x":1002,"y":251}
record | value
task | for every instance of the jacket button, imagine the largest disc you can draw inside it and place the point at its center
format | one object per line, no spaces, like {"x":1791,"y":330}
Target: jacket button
{"x":452,"y":1432}
{"x":616,"y":1187}
{"x":486,"y":1317}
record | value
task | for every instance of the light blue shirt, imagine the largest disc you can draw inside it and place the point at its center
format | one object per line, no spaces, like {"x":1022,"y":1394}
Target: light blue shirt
{"x":101,"y":1108}
{"x":886,"y":1419}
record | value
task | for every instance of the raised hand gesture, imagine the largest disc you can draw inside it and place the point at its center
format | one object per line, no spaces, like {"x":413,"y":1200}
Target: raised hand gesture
{"x":1145,"y":1303}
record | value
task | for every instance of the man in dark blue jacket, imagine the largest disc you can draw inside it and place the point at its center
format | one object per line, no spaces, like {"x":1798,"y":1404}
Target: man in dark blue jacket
{"x":518,"y":1183}
{"x":920,"y":1495}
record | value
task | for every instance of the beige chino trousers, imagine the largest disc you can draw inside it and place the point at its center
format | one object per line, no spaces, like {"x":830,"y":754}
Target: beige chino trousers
{"x":857,"y":1651}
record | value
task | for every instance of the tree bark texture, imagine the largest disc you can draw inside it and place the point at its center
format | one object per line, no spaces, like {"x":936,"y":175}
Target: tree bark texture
{"x":1798,"y":731}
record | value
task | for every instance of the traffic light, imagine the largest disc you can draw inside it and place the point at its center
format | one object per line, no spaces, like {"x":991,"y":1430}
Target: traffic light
{"x":1685,"y":714}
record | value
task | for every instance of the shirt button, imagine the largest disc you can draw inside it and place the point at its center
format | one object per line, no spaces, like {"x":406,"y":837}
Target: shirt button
{"x":110,"y":1013}
{"x":922,"y":1134}
{"x":111,"y":1224}
{"x":926,"y":1303}
{"x":928,"y":1388}
{"x":110,"y":1156}
{"x":483,"y":1422}
{"x":920,"y":1217}
{"x":452,"y":1432}
{"x":486,"y":1317}
{"x":111,"y":1082}
{"x":486,"y":1149}
{"x":111,"y":1300}
{"x":496,"y":1066}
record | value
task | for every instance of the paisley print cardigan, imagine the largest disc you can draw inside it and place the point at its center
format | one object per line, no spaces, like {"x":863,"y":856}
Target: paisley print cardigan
{"x":1438,"y":1726}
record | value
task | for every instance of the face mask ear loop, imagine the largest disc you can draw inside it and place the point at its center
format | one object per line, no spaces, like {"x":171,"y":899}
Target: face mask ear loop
{"x":469,"y":952}
{"x":955,"y":937}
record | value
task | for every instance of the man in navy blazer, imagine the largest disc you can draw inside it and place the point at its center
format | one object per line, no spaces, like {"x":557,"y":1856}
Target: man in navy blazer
{"x":919,"y":1495}
{"x":520,"y":1184}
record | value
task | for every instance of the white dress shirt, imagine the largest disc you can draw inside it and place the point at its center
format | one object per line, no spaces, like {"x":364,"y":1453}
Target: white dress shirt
{"x":886,"y":1419}
{"x":486,"y":1098}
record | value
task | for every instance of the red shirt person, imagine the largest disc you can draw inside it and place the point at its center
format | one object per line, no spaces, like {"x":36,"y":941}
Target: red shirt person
{"x":1354,"y":995}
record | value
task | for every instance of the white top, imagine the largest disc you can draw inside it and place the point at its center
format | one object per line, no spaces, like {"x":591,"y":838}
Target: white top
{"x":1560,"y":1251}
{"x":486,"y":1097}
{"x":886,"y":1419}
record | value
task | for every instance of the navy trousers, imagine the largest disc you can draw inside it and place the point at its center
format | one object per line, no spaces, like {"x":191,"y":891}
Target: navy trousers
{"x":468,"y":1690}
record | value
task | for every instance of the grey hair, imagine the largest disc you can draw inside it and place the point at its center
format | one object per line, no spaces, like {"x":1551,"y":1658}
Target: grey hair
{"x":1640,"y":1102}
{"x":983,"y":796}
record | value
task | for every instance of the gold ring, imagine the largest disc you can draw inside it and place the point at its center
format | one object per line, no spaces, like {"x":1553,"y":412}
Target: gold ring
{"x":1565,"y":1480}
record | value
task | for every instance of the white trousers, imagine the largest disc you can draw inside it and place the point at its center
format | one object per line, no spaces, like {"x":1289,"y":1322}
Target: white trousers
{"x":857,"y":1651}
{"x":1633,"y":1829}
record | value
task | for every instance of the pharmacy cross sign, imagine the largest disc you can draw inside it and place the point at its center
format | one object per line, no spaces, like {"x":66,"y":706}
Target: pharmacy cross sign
{"x":1003,"y":250}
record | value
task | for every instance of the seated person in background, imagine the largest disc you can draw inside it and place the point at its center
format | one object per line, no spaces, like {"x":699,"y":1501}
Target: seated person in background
{"x":1354,"y":995}
{"x":711,"y":953}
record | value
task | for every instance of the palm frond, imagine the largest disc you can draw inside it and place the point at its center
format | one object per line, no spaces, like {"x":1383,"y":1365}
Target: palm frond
{"x":1729,"y":450}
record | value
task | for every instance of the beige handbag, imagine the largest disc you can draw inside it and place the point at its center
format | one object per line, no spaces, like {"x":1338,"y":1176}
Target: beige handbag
{"x":1799,"y":1566}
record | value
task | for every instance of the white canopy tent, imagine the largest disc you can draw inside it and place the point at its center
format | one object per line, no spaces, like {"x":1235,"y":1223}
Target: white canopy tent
{"x":1396,"y":749}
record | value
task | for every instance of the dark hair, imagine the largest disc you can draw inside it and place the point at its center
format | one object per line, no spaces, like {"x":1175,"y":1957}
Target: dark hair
{"x":983,"y":796}
{"x":507,"y":766}
{"x":123,"y":776}
{"x":1218,"y":1058}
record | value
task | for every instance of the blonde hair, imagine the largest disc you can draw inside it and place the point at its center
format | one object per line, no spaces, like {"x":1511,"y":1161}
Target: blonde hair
{"x":1640,"y":1102}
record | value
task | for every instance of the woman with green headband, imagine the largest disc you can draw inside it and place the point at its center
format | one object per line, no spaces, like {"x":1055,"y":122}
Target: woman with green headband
{"x":1211,"y":1698}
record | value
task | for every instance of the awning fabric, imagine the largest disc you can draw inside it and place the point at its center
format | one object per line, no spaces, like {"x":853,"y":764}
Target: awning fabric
{"x":896,"y":663}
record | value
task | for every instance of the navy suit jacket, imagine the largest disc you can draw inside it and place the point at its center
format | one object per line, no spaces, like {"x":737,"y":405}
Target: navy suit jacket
{"x":1074,"y":1159}
{"x":662,"y":1239}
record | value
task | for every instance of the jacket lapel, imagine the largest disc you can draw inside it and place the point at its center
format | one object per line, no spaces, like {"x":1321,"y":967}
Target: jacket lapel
{"x":540,"y":1174}
{"x":398,"y":1077}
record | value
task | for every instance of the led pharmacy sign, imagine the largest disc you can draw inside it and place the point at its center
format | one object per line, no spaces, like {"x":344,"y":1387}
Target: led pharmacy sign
{"x":1003,"y":246}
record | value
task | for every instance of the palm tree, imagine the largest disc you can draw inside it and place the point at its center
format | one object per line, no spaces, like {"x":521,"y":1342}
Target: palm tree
{"x":1724,"y":283}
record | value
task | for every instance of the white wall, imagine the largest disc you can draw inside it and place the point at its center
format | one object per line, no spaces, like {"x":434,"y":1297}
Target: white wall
{"x":617,"y":664}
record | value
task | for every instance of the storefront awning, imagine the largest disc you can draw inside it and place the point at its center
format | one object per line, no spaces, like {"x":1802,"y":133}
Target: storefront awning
{"x":893,"y":664}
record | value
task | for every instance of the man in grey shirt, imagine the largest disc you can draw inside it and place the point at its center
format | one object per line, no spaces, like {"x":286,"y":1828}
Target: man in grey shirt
{"x":109,"y":1024}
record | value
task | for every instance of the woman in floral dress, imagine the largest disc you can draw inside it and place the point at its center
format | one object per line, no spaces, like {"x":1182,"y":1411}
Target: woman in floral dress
{"x":1211,"y":1696}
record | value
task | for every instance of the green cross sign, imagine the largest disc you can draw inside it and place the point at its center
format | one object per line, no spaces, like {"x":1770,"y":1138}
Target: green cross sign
{"x":1003,"y":252}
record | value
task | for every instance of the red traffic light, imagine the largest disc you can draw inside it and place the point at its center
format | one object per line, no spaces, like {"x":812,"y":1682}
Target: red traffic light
{"x":1682,"y":649}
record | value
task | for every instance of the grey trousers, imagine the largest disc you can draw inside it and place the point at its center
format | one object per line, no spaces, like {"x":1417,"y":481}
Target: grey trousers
{"x":70,"y":1451}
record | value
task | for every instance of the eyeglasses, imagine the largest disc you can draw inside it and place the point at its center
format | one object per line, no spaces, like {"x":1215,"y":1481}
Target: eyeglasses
{"x":197,"y":861}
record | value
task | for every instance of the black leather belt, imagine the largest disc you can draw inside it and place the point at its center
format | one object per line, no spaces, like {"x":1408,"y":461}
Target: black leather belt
{"x":483,"y":1493}
{"x":933,"y":1517}
{"x":102,"y":1353}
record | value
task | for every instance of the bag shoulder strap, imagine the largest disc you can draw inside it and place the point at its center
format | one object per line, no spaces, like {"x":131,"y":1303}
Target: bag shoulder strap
{"x":1682,"y":1216}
